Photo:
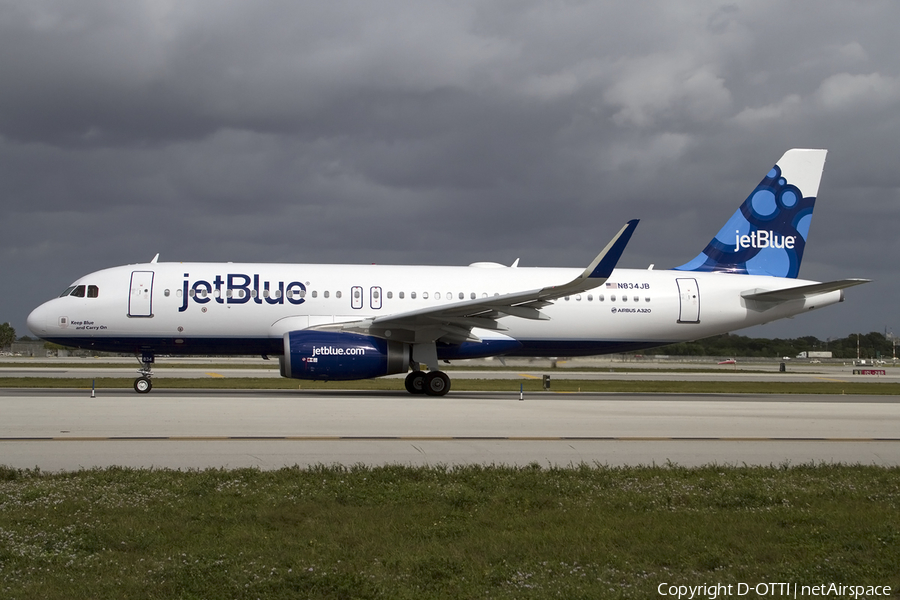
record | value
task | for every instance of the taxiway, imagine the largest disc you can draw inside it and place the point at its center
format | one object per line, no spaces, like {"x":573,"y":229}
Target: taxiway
{"x":67,"y":429}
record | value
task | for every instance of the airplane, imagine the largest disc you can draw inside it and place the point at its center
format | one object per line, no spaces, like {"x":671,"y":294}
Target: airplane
{"x":348,"y":322}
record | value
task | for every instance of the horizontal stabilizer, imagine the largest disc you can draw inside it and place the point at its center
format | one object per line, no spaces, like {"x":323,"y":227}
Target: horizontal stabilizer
{"x":801,"y":292}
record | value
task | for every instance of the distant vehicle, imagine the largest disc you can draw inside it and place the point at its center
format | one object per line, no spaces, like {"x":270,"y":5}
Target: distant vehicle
{"x":346,"y":322}
{"x":815,"y":361}
{"x":785,"y":358}
{"x":730,"y":361}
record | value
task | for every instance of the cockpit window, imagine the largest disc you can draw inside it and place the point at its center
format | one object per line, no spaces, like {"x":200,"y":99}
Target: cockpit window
{"x":93,"y":291}
{"x":68,"y":291}
{"x":79,"y":292}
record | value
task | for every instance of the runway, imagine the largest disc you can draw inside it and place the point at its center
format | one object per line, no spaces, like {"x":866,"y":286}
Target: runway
{"x":67,"y":430}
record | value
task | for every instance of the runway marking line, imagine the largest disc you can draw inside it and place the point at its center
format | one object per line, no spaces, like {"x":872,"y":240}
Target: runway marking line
{"x":430,"y":438}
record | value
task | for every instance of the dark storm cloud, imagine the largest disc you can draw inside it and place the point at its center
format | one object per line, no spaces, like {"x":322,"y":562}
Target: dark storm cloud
{"x":443,"y":132}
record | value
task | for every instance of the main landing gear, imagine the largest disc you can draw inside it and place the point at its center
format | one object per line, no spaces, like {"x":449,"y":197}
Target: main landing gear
{"x":142,"y":384}
{"x":433,"y":383}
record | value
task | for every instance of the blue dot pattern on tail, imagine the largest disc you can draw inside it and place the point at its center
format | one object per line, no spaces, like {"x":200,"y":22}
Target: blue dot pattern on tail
{"x":766,"y":236}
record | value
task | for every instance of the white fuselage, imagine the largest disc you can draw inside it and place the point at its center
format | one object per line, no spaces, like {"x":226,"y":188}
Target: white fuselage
{"x":246,"y":308}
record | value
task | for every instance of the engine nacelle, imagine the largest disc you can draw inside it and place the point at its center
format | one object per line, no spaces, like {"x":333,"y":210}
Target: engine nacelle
{"x":310,"y":354}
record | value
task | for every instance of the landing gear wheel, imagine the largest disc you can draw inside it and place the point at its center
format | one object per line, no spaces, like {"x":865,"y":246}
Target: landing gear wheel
{"x":415,"y":382}
{"x":437,"y":383}
{"x":142,"y":385}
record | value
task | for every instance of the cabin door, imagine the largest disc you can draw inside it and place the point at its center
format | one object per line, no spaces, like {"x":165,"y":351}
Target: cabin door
{"x":140,"y":298}
{"x":689,"y":299}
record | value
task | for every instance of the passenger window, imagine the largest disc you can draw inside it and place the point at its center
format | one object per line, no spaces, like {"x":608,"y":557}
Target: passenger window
{"x":612,"y":298}
{"x":315,"y":294}
{"x":337,"y":294}
{"x":590,"y":297}
{"x":390,"y":295}
{"x":325,"y":294}
{"x":578,"y":297}
{"x":437,"y":295}
{"x":425,"y":295}
{"x":601,"y":298}
{"x":165,"y":293}
{"x":412,"y":295}
{"x":79,"y":292}
{"x":400,"y":295}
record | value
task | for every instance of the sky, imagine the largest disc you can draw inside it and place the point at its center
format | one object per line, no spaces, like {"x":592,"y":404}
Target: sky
{"x":411,"y":132}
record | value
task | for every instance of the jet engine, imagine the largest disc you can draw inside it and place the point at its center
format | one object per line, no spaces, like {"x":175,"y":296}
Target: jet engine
{"x":330,"y":355}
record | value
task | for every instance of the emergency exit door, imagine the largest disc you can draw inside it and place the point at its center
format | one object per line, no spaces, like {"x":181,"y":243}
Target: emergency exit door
{"x":140,"y":298}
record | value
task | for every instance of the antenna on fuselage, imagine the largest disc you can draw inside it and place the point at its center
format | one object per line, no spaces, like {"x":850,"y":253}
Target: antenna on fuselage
{"x":155,"y":258}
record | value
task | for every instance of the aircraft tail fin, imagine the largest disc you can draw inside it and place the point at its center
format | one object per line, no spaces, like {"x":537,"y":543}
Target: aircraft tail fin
{"x":768,"y":233}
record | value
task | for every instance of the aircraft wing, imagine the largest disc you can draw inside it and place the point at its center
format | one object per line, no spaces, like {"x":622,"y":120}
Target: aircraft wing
{"x":453,"y":323}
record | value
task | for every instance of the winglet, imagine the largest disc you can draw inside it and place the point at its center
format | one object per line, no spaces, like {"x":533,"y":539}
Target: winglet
{"x":606,"y":261}
{"x":598,"y":271}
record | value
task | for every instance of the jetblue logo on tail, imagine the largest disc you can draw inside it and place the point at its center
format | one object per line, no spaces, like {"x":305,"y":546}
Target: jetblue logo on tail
{"x":763,"y":239}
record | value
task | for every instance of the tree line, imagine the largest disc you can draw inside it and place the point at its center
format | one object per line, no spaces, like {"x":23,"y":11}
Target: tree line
{"x":871,"y":345}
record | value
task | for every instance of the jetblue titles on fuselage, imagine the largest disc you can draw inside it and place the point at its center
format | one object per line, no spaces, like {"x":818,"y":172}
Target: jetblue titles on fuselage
{"x":240,"y":288}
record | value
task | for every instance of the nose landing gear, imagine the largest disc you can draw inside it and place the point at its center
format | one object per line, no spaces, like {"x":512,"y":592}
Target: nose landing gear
{"x":143,"y":385}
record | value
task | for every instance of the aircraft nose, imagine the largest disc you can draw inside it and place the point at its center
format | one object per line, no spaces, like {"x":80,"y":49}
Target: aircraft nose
{"x":37,"y":320}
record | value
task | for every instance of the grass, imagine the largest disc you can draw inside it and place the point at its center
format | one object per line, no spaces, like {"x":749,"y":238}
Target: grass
{"x":400,"y":532}
{"x":486,"y":385}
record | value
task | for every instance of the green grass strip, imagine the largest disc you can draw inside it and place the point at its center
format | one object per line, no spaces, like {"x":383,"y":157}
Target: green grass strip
{"x":421,"y":533}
